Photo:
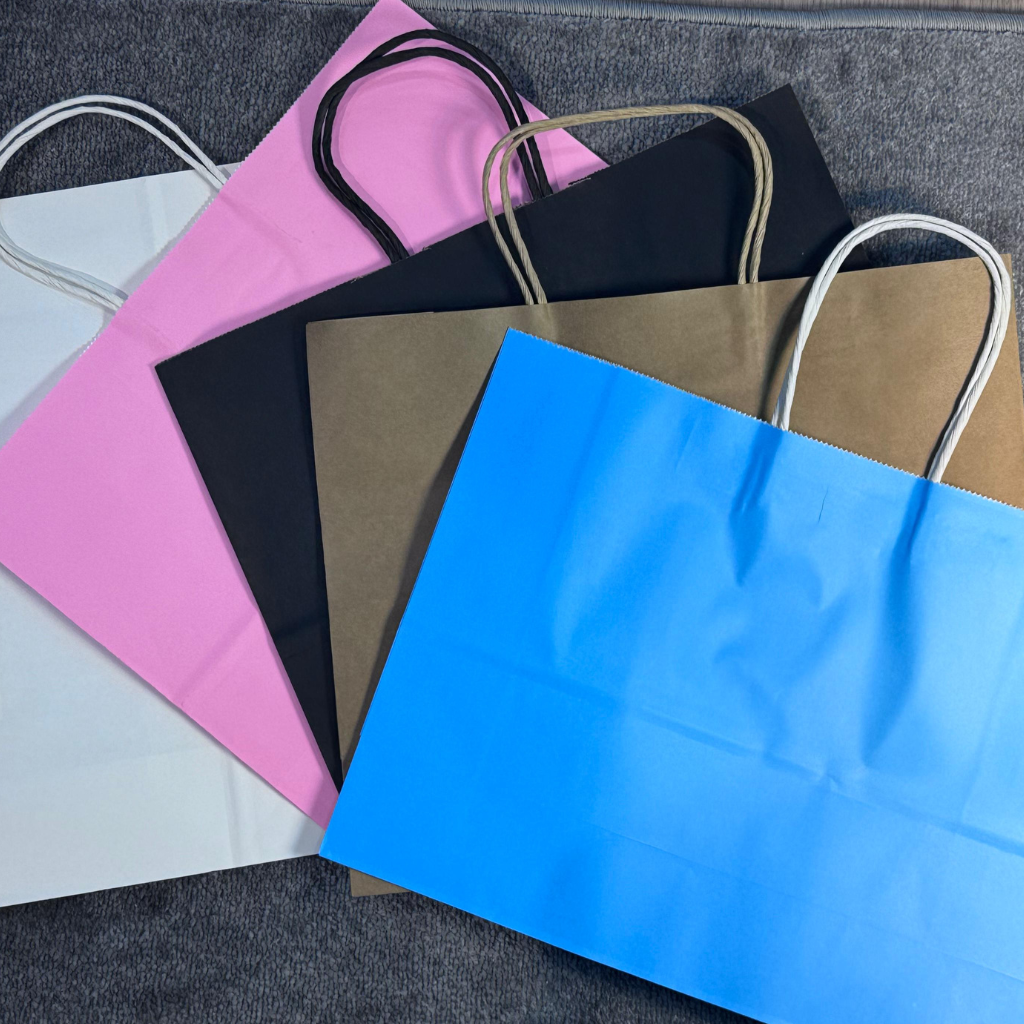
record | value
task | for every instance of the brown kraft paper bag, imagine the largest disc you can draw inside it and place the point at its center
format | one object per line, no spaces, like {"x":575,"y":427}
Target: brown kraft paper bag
{"x":393,"y":400}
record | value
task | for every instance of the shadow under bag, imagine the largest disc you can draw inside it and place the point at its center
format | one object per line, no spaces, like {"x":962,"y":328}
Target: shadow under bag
{"x":672,"y":217}
{"x":737,"y":711}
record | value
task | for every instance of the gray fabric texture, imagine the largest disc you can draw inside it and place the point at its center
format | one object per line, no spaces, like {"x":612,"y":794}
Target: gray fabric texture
{"x":914,"y":116}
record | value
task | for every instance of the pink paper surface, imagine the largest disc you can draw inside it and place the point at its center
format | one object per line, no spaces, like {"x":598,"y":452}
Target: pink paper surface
{"x":101,"y":508}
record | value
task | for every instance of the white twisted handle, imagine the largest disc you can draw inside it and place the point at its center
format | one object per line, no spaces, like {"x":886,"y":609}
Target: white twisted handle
{"x":75,"y":282}
{"x":1002,"y":299}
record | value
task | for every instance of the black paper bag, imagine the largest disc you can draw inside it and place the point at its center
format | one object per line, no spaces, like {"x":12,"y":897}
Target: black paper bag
{"x":672,"y":217}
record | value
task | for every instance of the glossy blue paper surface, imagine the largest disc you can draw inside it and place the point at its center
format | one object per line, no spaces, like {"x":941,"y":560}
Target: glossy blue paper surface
{"x":715,"y":704}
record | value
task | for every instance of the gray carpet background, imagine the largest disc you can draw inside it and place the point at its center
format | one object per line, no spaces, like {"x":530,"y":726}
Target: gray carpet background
{"x":910,"y":115}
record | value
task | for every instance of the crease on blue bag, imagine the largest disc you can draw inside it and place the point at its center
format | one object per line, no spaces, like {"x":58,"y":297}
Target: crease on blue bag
{"x":711,"y":702}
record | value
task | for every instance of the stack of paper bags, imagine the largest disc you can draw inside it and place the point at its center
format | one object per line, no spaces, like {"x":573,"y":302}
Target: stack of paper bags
{"x":102,"y":512}
{"x":666,"y":218}
{"x":733,"y":705}
{"x":737,"y":709}
{"x":662,"y":219}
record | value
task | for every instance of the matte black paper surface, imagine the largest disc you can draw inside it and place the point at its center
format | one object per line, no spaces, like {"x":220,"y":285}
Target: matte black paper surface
{"x":672,"y":217}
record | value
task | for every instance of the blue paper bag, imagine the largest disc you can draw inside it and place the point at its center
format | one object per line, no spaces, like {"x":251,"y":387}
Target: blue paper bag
{"x":712,"y":703}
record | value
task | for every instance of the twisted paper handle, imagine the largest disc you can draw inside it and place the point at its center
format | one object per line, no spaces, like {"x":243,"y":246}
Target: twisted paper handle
{"x":753,"y":239}
{"x":389,"y":55}
{"x":1002,"y":298}
{"x":75,"y":282}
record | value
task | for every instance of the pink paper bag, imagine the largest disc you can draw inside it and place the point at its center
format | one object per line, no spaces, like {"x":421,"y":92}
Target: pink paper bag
{"x":101,"y":509}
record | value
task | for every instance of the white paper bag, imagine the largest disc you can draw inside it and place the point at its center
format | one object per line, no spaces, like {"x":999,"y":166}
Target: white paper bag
{"x":103,"y":782}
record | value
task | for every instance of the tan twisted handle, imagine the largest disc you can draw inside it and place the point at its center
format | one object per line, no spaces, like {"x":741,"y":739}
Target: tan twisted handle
{"x":753,"y":239}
